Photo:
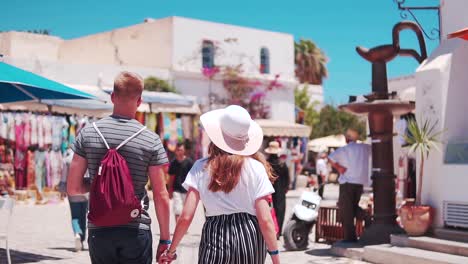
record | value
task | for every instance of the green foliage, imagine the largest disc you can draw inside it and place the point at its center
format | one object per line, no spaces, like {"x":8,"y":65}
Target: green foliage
{"x":330,"y":120}
{"x":157,"y":85}
{"x":333,"y":121}
{"x":422,"y":138}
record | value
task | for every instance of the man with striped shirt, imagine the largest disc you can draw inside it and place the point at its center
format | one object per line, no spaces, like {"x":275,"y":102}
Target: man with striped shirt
{"x":145,"y":155}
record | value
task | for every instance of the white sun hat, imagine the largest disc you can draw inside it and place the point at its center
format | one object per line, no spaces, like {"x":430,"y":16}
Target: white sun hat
{"x":233,"y":130}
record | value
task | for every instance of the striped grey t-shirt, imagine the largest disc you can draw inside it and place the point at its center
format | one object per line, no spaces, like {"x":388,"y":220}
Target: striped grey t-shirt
{"x":141,"y":152}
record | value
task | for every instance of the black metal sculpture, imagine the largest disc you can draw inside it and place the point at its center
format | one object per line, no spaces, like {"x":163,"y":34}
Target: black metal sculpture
{"x":379,"y":57}
{"x":380,"y":109}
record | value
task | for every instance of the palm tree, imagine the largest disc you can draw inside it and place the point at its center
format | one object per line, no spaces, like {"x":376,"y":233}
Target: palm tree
{"x":422,"y":138}
{"x":310,"y":62}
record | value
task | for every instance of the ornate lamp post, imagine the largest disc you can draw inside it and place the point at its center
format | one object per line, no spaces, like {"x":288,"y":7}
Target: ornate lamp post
{"x":380,"y":108}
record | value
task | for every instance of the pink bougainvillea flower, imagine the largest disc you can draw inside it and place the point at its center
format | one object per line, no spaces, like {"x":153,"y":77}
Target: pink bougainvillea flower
{"x":210,"y":72}
{"x":255,"y":83}
{"x":257,"y":96}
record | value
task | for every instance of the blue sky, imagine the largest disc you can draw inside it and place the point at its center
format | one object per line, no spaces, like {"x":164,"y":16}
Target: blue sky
{"x":337,"y":26}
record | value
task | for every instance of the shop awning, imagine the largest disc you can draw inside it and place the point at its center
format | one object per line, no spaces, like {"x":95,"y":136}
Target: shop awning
{"x":277,"y":128}
{"x":323,"y":143}
{"x":193,"y":109}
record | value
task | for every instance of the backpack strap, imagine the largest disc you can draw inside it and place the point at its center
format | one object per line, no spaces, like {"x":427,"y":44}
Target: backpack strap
{"x":130,"y":138}
{"x":100,"y":134}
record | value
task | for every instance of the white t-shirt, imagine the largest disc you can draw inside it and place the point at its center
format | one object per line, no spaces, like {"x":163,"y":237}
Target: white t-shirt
{"x":355,"y":158}
{"x":322,"y":167}
{"x":253,"y":184}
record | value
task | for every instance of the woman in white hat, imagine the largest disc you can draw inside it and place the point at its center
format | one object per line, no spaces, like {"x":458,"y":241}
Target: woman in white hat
{"x":232,"y":183}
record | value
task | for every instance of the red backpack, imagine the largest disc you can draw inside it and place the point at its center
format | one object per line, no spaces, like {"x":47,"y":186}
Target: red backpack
{"x":112,"y":197}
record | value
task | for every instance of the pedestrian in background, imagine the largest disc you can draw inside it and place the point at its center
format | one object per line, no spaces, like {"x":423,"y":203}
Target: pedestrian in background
{"x":78,"y":204}
{"x":233,"y":184}
{"x":352,"y":163}
{"x":322,"y":171}
{"x":281,"y":184}
{"x":178,"y":170}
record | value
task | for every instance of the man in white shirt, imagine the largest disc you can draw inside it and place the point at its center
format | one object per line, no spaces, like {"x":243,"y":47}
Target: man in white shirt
{"x":352,"y":163}
{"x":322,"y":171}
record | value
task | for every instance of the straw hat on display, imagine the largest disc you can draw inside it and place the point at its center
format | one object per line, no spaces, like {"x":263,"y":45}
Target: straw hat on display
{"x":273,"y":148}
{"x":233,"y":130}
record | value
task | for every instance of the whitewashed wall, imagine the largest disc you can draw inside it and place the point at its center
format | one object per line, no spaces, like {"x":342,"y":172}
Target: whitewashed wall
{"x":441,"y":95}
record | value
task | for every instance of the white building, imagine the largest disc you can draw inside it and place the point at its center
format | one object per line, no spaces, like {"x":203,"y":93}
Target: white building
{"x":173,"y":48}
{"x":439,"y":87}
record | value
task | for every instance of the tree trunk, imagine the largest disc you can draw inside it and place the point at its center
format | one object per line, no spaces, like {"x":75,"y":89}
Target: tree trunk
{"x":419,"y":191}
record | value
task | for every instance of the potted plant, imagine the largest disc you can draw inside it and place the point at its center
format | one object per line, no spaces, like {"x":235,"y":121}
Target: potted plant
{"x":422,"y":138}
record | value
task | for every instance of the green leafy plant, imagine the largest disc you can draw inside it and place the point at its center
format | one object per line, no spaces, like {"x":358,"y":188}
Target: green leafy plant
{"x":158,"y":85}
{"x":422,"y":138}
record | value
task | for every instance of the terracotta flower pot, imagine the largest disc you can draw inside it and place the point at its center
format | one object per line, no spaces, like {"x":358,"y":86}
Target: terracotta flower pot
{"x":416,"y":219}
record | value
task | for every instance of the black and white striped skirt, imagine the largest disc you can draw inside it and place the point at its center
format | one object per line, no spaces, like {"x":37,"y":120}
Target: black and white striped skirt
{"x":232,"y":239}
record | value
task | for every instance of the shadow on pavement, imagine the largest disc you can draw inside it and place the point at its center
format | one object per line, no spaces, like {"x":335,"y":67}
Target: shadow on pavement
{"x":18,"y":257}
{"x":66,"y":249}
{"x":319,"y":252}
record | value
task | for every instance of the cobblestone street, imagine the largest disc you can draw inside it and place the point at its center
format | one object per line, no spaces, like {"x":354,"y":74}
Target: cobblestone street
{"x":43,"y":234}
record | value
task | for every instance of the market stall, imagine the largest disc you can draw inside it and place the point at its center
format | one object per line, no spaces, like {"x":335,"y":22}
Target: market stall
{"x":325,"y":143}
{"x":293,"y":140}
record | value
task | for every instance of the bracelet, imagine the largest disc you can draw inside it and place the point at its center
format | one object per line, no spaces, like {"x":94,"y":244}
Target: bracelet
{"x":273,"y":252}
{"x":165,"y":242}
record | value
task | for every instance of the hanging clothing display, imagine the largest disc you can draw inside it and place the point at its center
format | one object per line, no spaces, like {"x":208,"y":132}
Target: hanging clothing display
{"x":30,"y":169}
{"x":65,"y":142}
{"x":34,"y":130}
{"x":187,"y":126}
{"x":151,"y":121}
{"x":40,"y":170}
{"x":72,"y":131}
{"x":33,"y":144}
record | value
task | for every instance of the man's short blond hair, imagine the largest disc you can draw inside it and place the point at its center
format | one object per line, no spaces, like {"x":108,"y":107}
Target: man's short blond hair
{"x":128,"y":85}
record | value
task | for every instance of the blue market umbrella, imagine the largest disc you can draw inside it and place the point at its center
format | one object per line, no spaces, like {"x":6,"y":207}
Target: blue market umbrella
{"x":18,"y":85}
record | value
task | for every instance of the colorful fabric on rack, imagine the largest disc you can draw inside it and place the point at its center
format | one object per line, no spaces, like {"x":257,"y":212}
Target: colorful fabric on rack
{"x":34,"y":134}
{"x":48,"y":175}
{"x":27,"y":129}
{"x":3,"y":126}
{"x":20,"y":169}
{"x":19,"y":133}
{"x":48,"y":125}
{"x":180,"y":130}
{"x":187,"y":126}
{"x":56,"y":133}
{"x":11,"y":127}
{"x":72,"y":131}
{"x":65,"y":127}
{"x":167,"y":126}
{"x":40,"y":130}
{"x":30,"y":168}
{"x":151,"y":121}
{"x":55,"y":168}
{"x":161,"y":125}
{"x":40,"y":171}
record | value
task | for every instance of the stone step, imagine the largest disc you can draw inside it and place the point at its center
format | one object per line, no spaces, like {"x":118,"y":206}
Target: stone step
{"x":451,"y":234}
{"x":431,"y":244}
{"x":387,"y":254}
{"x":349,"y":250}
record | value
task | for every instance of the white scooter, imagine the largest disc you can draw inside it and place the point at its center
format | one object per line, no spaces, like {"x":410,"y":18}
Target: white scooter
{"x":305,"y":213}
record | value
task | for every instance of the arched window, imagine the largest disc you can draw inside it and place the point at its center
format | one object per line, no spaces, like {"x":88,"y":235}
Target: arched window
{"x":208,"y":53}
{"x":264,"y":61}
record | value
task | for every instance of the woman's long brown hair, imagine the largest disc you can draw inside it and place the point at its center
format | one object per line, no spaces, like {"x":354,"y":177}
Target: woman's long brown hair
{"x":226,"y":168}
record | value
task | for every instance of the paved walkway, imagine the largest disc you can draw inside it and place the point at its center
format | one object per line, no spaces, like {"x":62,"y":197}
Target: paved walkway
{"x":43,"y":234}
